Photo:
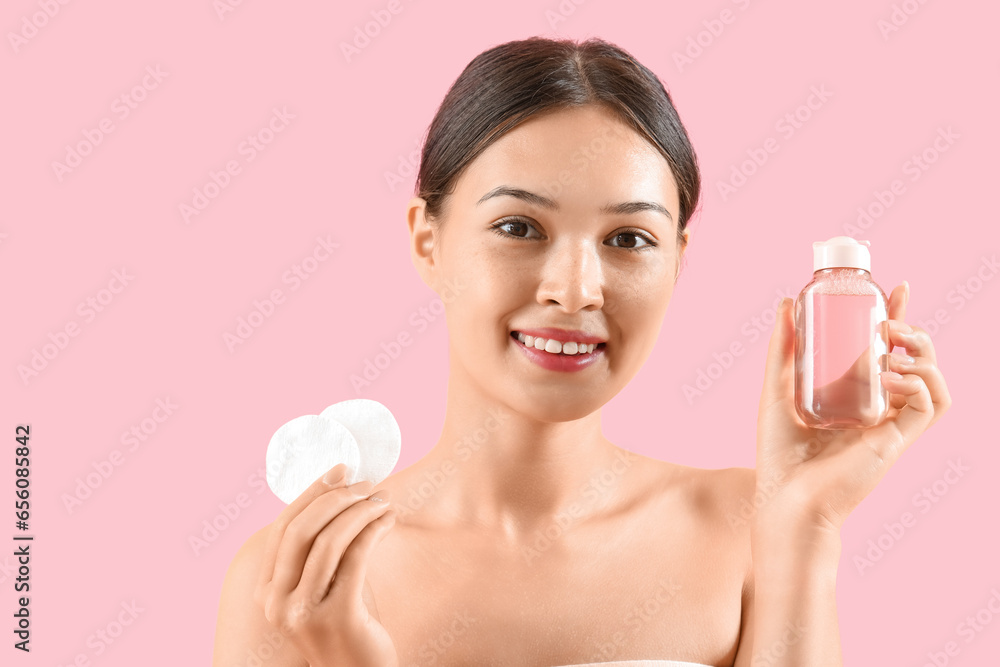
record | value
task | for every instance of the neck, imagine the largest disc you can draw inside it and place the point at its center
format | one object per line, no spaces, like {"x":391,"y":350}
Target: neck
{"x":500,"y":470}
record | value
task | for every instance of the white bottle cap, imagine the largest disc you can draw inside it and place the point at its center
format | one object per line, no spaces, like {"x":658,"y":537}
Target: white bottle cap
{"x":842,"y":251}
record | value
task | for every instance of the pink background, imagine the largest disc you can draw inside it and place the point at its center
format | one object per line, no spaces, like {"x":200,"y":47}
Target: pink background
{"x":324,"y":175}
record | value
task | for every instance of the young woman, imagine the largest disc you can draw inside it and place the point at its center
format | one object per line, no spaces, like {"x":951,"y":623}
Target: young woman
{"x":555,"y":186}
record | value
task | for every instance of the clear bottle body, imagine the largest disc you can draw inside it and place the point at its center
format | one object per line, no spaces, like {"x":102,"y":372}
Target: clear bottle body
{"x":841,"y":345}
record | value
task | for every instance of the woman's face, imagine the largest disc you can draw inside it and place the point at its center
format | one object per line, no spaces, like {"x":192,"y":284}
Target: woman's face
{"x":563,"y":253}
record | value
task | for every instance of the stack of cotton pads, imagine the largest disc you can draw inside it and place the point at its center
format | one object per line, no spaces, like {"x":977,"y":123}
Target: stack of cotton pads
{"x":360,"y":432}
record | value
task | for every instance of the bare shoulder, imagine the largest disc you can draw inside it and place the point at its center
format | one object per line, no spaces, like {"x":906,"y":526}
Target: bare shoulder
{"x":711,"y":491}
{"x":736,"y":484}
{"x":736,"y":488}
{"x":733,"y":491}
{"x":242,"y":633}
{"x":720,"y":502}
{"x":730,"y":495}
{"x":241,"y":576}
{"x":720,"y":505}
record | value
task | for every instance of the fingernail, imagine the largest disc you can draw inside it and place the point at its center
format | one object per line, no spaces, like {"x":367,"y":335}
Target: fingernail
{"x":381,"y":496}
{"x":332,"y":476}
{"x":903,"y":359}
{"x":891,"y":375}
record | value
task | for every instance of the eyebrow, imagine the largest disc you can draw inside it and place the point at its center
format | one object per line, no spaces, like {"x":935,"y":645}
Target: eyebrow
{"x":623,"y":208}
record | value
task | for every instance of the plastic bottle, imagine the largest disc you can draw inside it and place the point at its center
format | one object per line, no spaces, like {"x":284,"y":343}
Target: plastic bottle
{"x":841,"y":341}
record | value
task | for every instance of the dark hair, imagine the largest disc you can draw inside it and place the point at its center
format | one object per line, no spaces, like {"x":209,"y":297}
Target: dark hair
{"x":507,"y":84}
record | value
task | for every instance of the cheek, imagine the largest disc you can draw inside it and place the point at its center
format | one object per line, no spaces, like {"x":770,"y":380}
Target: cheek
{"x":488,"y":292}
{"x":647,"y":285}
{"x":639,"y":303}
{"x":493,"y":276}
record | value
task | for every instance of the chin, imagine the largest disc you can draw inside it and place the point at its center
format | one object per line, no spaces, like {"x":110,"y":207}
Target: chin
{"x":555,"y":409}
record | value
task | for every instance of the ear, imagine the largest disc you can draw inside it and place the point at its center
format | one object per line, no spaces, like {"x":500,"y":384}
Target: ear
{"x":682,"y":247}
{"x":423,"y":241}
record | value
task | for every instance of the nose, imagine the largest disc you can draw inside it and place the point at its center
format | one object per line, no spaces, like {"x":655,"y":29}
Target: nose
{"x":572,"y":277}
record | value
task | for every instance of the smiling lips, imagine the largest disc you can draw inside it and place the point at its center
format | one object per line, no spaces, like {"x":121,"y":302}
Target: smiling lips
{"x":554,"y":346}
{"x":556,"y":355}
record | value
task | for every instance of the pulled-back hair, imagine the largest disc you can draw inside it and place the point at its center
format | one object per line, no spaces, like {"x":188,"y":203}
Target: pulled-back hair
{"x":507,"y":84}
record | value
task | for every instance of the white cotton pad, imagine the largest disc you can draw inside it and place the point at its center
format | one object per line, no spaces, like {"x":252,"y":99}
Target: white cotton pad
{"x":305,"y":448}
{"x":376,"y":432}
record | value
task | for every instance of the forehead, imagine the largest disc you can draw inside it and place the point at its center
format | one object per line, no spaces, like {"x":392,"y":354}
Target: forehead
{"x":578,"y":156}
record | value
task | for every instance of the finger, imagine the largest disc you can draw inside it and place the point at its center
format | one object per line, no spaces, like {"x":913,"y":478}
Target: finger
{"x":337,"y":477}
{"x":898,"y":301}
{"x":779,"y":365}
{"x":916,"y":340}
{"x":890,"y":439}
{"x":322,"y":563}
{"x":301,"y":532}
{"x":897,"y":401}
{"x":931,"y":375}
{"x":349,"y":581}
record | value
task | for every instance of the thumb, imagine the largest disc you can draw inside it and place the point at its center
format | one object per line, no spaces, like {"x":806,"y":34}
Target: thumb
{"x":780,"y":364}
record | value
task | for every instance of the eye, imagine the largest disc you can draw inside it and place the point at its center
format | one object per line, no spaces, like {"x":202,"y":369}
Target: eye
{"x":629,"y":237}
{"x":517,"y":223}
{"x":635,"y":235}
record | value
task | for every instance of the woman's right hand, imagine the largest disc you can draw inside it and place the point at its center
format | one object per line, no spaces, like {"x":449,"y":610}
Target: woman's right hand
{"x":313,"y":573}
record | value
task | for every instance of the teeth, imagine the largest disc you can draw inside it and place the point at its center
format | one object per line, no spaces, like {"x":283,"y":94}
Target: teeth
{"x":555,"y":346}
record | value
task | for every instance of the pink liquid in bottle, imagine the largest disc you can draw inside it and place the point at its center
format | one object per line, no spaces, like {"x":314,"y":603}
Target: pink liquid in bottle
{"x":840,"y":340}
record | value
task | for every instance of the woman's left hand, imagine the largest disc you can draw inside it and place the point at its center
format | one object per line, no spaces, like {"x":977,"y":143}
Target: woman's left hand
{"x":816,"y":477}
